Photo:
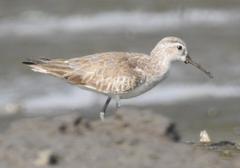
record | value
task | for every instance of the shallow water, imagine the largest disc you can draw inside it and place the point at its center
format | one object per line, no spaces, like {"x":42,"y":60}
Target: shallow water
{"x":30,"y":29}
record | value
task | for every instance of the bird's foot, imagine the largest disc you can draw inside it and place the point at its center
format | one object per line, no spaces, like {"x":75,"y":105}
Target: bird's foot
{"x":102,"y":115}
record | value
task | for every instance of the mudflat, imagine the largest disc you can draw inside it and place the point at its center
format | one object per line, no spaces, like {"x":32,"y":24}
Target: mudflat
{"x":130,"y":138}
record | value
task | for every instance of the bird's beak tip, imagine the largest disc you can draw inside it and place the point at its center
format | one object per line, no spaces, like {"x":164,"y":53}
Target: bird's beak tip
{"x":190,"y":61}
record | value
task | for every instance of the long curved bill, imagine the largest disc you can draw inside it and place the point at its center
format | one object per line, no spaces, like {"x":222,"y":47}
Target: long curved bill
{"x":190,"y":61}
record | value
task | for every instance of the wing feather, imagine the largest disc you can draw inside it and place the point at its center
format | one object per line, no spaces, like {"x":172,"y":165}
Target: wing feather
{"x":110,"y":73}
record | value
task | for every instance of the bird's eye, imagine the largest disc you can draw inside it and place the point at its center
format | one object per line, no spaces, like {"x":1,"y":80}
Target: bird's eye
{"x":179,"y":47}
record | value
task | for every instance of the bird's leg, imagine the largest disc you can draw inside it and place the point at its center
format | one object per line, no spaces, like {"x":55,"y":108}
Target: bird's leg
{"x":118,"y":103}
{"x":102,"y":113}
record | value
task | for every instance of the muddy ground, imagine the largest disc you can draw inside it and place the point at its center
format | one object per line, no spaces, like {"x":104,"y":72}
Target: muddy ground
{"x":130,"y":138}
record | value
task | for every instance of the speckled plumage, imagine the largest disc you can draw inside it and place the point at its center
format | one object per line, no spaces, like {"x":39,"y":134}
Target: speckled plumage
{"x":111,"y":73}
{"x":117,"y":74}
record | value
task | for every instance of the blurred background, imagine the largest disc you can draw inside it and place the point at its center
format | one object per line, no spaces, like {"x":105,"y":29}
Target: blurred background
{"x":60,"y":28}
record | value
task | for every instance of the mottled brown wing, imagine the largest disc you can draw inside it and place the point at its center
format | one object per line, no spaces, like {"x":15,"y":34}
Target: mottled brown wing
{"x":110,"y":73}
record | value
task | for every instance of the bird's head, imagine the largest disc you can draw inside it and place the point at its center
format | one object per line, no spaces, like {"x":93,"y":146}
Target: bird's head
{"x":175,"y":49}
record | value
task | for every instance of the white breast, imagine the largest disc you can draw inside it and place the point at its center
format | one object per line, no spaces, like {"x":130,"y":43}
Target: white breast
{"x":149,"y":84}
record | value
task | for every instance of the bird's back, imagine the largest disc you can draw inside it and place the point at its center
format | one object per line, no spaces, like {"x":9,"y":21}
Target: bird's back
{"x":112,"y":73}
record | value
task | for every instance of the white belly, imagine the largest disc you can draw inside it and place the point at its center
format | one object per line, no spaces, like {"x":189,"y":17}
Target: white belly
{"x":141,"y":89}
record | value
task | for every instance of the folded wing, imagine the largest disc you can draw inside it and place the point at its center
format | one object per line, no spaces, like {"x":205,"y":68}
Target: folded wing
{"x":110,"y":73}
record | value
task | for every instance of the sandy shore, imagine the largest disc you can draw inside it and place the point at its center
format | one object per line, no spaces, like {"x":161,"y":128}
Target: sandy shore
{"x":130,"y":138}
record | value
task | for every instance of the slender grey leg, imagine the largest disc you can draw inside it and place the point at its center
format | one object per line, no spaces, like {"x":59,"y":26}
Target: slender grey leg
{"x":118,"y":104}
{"x":102,"y":114}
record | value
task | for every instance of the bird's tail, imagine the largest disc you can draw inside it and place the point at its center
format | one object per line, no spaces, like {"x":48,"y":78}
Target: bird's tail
{"x":55,"y":67}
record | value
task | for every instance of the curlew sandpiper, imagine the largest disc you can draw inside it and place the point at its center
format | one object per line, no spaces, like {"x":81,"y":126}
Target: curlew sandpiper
{"x":118,"y":75}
